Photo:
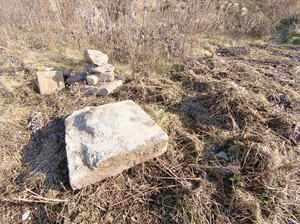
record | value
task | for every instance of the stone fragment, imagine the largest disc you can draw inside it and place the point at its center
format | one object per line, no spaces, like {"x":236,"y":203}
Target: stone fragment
{"x":95,"y":57}
{"x":105,"y":73}
{"x":65,"y":73}
{"x":105,"y":89}
{"x":109,"y":87}
{"x":78,"y":77}
{"x":25,"y":215}
{"x":103,"y":141}
{"x":50,"y":82}
{"x":107,"y":77}
{"x":107,"y":68}
{"x":91,"y":79}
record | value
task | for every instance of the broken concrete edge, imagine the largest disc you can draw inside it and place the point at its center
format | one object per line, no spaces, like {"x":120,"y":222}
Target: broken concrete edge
{"x":106,"y":68}
{"x":105,"y":89}
{"x":129,"y":159}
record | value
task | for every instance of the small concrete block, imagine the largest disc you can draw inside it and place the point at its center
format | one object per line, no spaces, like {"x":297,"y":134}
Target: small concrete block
{"x":109,"y":87}
{"x":50,"y":82}
{"x":107,"y":68}
{"x":103,"y":141}
{"x":106,"y":77}
{"x":105,"y":89}
{"x":95,"y":57}
{"x":91,"y":79}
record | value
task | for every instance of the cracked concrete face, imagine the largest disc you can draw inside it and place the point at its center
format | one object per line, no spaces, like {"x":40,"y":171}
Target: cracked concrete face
{"x":103,"y":141}
{"x":50,"y":81}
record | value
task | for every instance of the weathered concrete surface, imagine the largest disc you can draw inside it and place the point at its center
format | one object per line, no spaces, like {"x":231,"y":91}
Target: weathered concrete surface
{"x":109,"y":87}
{"x":95,"y":57}
{"x":103,"y":141}
{"x":91,"y":79}
{"x":106,"y":77}
{"x":105,"y":89}
{"x":104,"y":73}
{"x":50,"y":82}
{"x":107,"y":68}
{"x":78,"y":77}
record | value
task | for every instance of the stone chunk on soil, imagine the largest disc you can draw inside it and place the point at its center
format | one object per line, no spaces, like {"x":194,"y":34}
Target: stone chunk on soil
{"x":78,"y":77}
{"x":50,"y":82}
{"x":91,"y":79}
{"x":95,"y":57}
{"x":107,"y":77}
{"x":108,"y":68}
{"x":103,"y":141}
{"x":105,"y":89}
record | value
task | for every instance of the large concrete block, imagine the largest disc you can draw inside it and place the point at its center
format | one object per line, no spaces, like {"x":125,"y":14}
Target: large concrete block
{"x":50,"y":82}
{"x":103,"y":141}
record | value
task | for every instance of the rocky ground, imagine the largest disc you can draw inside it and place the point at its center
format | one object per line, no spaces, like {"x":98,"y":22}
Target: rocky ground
{"x":233,"y":157}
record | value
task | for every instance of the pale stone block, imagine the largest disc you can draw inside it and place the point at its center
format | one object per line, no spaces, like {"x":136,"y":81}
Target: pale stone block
{"x":95,"y":57}
{"x":106,"y":77}
{"x":91,"y":79}
{"x":104,"y":89}
{"x":109,"y":87}
{"x":103,"y":141}
{"x":107,"y":68}
{"x":50,"y":82}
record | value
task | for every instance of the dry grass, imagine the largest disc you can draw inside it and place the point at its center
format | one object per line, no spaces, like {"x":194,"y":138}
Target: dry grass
{"x":148,"y":35}
{"x":232,"y":117}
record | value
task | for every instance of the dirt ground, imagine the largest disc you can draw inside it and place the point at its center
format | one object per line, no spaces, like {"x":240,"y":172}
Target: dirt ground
{"x":233,"y":119}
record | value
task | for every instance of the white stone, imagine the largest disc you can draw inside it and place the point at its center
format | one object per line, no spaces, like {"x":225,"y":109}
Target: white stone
{"x":103,"y":141}
{"x":95,"y":57}
{"x":105,"y":89}
{"x":91,"y":79}
{"x":107,"y":77}
{"x":109,"y":87}
{"x":25,"y":215}
{"x":107,"y":68}
{"x":50,"y":82}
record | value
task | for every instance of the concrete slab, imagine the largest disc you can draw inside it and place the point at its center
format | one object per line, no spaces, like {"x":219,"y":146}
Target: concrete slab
{"x":103,"y":141}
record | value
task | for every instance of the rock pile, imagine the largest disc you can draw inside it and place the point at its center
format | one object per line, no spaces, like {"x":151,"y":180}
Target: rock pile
{"x":99,"y":71}
{"x":103,"y":141}
{"x":99,"y":76}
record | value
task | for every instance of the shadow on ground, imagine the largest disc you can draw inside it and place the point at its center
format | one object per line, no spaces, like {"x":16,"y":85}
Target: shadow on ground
{"x":44,"y":158}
